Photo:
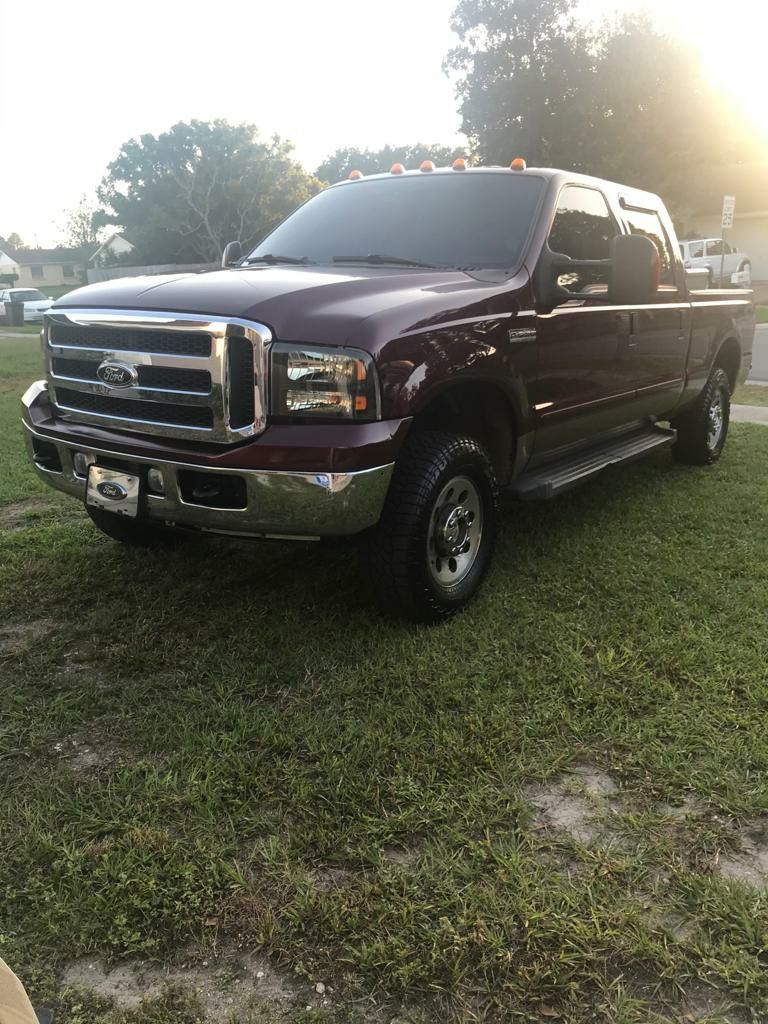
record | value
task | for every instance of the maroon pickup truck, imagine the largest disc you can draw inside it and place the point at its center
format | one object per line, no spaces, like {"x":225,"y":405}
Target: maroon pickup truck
{"x":393,"y":354}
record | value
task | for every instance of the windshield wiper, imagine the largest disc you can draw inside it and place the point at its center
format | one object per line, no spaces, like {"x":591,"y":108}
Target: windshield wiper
{"x":272,"y":258}
{"x":377,"y":258}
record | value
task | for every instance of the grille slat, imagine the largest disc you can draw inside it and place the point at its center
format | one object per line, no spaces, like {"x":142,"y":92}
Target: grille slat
{"x":169,"y":414}
{"x":167,"y":377}
{"x":128,"y":339}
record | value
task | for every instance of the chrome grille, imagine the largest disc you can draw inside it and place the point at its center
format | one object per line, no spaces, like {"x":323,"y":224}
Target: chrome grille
{"x":190,"y":376}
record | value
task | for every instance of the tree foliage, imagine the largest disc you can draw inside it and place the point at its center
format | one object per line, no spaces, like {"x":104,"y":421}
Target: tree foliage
{"x":15,"y":240}
{"x":621,"y":101}
{"x":182,"y":195}
{"x":80,"y":230}
{"x":374,"y":161}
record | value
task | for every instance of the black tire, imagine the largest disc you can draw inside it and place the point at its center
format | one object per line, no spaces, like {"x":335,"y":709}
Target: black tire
{"x":133,"y":532}
{"x":700,"y":440}
{"x":417,"y":575}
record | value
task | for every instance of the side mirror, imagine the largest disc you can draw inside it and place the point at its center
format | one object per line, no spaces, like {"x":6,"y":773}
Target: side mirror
{"x":233,"y":253}
{"x":635,"y":270}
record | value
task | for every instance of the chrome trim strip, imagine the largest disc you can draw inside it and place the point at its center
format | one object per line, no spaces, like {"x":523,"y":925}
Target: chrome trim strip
{"x":158,"y":427}
{"x":221,"y":331}
{"x":279,"y":502}
{"x":601,"y":307}
{"x":128,"y":392}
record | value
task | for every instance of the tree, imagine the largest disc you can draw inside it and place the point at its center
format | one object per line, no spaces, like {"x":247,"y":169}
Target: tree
{"x":15,"y":240}
{"x":374,"y":161}
{"x":182,"y":195}
{"x":81,"y":230}
{"x":526,"y":70}
{"x":623,"y":102}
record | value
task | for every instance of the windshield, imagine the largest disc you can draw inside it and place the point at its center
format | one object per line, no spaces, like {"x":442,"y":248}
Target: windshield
{"x":458,"y":220}
{"x":26,"y":295}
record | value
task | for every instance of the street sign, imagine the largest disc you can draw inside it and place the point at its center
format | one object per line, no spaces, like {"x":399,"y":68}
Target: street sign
{"x":729,"y":208}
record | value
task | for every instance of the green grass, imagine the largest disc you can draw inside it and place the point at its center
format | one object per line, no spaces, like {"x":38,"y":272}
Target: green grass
{"x":19,"y":329}
{"x":751,"y":394}
{"x":263,"y":741}
{"x":761,"y":314}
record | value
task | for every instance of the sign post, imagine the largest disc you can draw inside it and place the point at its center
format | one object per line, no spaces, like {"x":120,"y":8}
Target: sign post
{"x":726,"y":222}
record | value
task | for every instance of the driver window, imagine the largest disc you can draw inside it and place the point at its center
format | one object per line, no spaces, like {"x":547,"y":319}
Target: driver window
{"x":582,"y":229}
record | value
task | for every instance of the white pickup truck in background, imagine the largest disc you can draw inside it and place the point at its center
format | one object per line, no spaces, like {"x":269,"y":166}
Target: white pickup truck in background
{"x":708,"y":253}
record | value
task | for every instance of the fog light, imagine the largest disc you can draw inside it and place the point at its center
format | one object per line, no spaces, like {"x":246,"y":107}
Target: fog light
{"x":81,"y":461}
{"x":155,"y":481}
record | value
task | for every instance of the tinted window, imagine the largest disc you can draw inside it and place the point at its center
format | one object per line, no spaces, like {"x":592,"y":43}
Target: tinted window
{"x":643,"y":222}
{"x":715,"y":247}
{"x":457,"y":219}
{"x":582,"y":229}
{"x":696,"y":249}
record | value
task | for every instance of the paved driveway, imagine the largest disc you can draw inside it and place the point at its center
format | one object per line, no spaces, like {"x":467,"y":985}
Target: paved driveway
{"x":760,"y":355}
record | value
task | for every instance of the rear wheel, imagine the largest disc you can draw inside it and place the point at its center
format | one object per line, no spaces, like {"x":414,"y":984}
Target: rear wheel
{"x":702,"y":432}
{"x":134,"y":532}
{"x":435,"y":541}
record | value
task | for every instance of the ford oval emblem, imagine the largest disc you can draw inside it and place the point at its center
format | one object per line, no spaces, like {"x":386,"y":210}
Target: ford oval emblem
{"x":117,"y":375}
{"x":111,"y":491}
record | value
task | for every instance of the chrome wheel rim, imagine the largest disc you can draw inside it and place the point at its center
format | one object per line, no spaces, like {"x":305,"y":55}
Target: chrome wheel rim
{"x":716,"y":423}
{"x":455,"y":532}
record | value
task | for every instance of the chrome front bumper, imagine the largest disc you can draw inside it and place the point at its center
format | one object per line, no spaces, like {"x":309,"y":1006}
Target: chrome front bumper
{"x":278,"y":504}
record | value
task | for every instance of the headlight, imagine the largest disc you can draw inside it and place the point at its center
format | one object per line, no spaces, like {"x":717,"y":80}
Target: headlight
{"x":331,"y":383}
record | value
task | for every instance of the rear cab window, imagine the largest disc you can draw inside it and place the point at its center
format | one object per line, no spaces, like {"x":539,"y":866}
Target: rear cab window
{"x":648,"y":223}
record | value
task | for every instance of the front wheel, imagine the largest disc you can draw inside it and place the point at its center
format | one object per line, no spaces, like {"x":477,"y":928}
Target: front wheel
{"x":435,"y":541}
{"x":702,"y":431}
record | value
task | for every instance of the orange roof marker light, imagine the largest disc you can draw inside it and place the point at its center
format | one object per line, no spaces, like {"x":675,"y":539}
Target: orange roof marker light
{"x":427,"y":165}
{"x":355,"y":175}
{"x":518,"y":164}
{"x":397,"y":169}
{"x":459,"y":164}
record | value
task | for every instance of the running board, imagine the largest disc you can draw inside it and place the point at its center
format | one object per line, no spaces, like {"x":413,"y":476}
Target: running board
{"x":553,"y":479}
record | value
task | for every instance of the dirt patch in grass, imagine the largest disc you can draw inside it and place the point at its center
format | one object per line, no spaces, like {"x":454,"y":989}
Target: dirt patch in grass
{"x":85,"y":756}
{"x":574,"y":803}
{"x":18,"y":637}
{"x":326,"y":879}
{"x":702,"y":1003}
{"x":400,"y":856}
{"x":750,"y":863}
{"x":19,"y":514}
{"x":223,"y":987}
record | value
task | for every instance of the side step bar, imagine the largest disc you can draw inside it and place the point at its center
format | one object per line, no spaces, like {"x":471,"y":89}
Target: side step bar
{"x":553,"y":479}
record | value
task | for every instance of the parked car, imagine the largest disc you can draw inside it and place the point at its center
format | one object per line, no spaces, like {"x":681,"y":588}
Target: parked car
{"x":398,"y":350}
{"x":35,"y":303}
{"x":708,"y":252}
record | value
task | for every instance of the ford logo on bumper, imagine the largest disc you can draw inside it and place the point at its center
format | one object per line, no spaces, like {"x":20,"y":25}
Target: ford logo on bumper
{"x":117,"y":375}
{"x":111,"y":491}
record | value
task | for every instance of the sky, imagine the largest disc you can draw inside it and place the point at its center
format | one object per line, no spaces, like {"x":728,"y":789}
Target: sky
{"x":77,"y":79}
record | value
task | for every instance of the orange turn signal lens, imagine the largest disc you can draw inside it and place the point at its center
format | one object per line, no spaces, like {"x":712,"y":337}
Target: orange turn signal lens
{"x":459,"y":164}
{"x":361,"y":403}
{"x":518,"y":164}
{"x":354,"y":175}
{"x":427,"y":165}
{"x":397,"y":169}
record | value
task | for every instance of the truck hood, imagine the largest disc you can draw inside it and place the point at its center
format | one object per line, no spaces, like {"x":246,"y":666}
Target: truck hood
{"x":364,"y":307}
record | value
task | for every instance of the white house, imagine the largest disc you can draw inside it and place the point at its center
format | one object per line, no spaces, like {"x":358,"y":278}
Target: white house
{"x":113,"y":247}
